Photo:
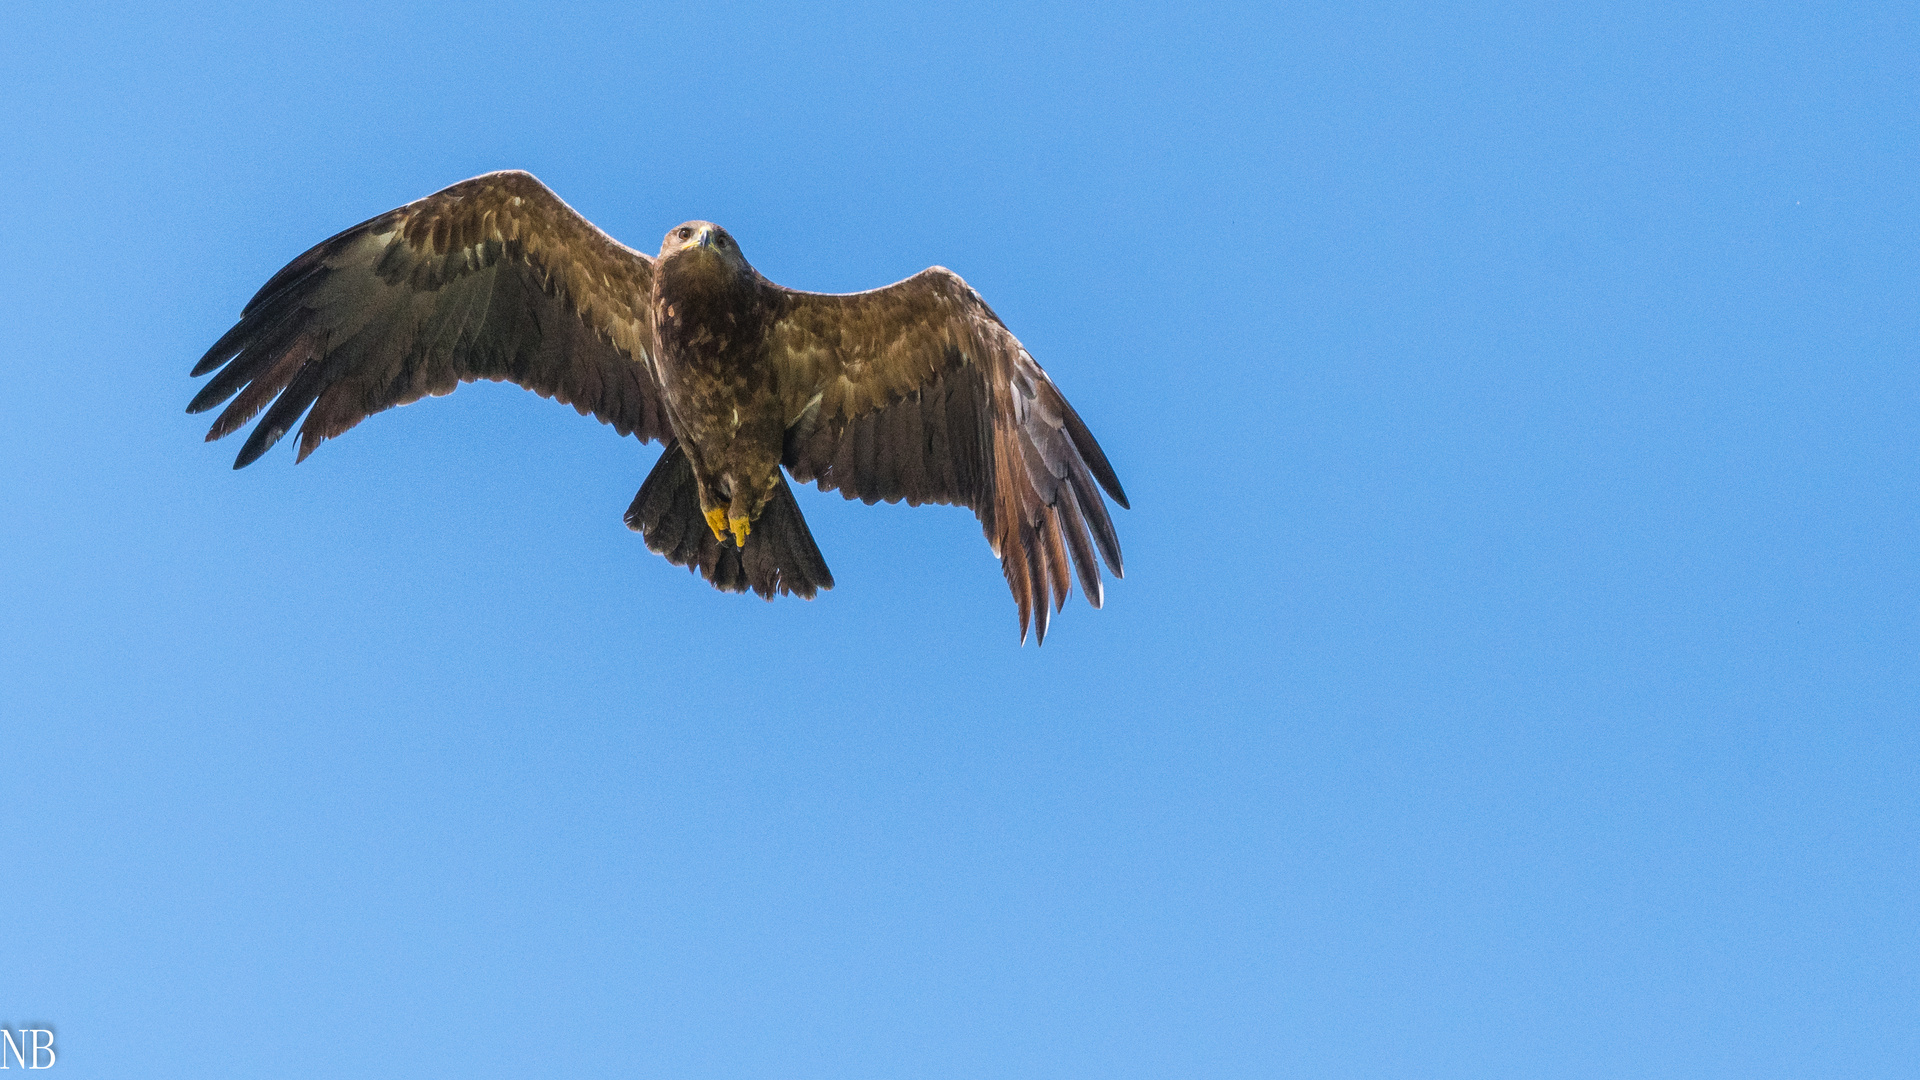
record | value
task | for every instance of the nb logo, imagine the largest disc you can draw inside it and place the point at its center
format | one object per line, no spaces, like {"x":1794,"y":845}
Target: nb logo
{"x":32,"y":1048}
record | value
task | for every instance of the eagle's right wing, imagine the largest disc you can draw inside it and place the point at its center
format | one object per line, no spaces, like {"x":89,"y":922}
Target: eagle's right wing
{"x":492,"y":278}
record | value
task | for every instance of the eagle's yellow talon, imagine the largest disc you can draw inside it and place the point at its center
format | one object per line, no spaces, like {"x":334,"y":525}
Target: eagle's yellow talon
{"x":717,"y":521}
{"x":741,"y":527}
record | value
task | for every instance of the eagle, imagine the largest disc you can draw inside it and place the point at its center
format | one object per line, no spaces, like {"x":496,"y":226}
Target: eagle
{"x":914,"y":391}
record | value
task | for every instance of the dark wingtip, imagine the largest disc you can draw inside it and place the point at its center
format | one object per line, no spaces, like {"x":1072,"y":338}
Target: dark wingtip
{"x":1091,"y":453}
{"x":258,"y":443}
{"x":222,"y":350}
{"x":210,"y":396}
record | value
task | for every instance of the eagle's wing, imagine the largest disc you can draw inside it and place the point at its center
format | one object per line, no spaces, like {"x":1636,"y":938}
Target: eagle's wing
{"x":492,"y":278}
{"x":918,"y":391}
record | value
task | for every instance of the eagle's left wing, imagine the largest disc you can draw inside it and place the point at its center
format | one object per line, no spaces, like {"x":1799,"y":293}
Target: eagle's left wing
{"x":918,"y":391}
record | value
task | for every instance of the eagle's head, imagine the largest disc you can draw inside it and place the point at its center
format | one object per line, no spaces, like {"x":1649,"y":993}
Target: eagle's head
{"x":704,"y":244}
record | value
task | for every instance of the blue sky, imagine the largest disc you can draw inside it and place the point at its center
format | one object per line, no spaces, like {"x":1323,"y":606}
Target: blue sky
{"x":1514,"y":676}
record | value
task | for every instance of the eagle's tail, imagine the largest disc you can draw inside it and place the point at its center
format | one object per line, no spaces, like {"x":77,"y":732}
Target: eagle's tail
{"x":779,"y":555}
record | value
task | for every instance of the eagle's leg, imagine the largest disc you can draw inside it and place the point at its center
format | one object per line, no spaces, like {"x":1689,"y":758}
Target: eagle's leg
{"x":725,"y":516}
{"x":740,"y":511}
{"x":713,"y":506}
{"x":750,"y":497}
{"x":728,"y":516}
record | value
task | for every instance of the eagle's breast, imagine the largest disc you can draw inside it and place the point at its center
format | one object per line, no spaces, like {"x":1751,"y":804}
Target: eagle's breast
{"x":720,"y":389}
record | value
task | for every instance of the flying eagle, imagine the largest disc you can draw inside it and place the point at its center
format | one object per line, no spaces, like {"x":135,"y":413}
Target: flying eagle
{"x":915,"y":391}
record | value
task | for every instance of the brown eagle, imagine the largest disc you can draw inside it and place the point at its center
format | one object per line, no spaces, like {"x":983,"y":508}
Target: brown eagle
{"x":915,"y":391}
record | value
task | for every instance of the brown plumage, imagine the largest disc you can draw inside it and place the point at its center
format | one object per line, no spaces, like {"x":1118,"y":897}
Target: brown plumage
{"x":914,"y":391}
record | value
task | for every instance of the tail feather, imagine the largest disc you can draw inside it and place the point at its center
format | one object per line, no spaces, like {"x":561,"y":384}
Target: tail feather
{"x":779,"y":557}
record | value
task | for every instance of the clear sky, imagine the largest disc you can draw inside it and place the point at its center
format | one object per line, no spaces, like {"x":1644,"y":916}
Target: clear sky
{"x":1514,"y":676}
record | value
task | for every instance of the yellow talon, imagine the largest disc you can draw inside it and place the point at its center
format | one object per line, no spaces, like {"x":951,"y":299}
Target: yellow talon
{"x":741,"y":527}
{"x":717,"y":521}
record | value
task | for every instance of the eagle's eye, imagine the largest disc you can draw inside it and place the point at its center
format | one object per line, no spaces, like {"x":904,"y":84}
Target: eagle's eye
{"x":684,"y":234}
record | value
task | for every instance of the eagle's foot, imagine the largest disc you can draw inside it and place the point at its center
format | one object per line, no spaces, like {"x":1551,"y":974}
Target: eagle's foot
{"x":741,"y":527}
{"x":717,"y":521}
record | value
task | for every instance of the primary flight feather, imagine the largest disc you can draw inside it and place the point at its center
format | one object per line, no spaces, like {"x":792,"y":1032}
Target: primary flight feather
{"x":915,"y":391}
